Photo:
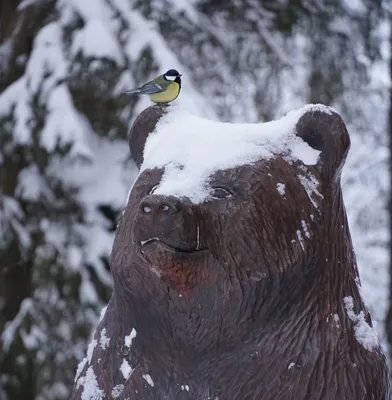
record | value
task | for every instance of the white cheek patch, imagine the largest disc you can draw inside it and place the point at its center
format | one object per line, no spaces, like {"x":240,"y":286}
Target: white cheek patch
{"x":170,"y":78}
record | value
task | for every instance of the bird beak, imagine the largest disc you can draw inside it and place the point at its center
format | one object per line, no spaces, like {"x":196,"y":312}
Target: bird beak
{"x":180,"y":75}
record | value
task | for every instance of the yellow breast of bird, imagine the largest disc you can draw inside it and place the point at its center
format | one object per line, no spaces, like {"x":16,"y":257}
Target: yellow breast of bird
{"x":170,"y":94}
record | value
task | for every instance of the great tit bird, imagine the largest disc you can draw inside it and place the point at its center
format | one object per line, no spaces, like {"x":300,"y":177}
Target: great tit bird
{"x":163,"y":89}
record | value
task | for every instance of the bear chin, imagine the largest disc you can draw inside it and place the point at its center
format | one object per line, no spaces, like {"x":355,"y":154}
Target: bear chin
{"x":181,"y":269}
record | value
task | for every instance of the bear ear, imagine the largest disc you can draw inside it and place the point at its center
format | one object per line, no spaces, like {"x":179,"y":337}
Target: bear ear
{"x":144,"y":124}
{"x":323,"y":129}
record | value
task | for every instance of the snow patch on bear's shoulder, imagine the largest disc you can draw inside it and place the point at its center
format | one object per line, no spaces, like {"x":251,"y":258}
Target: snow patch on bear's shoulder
{"x":191,"y":149}
{"x":364,"y":333}
{"x":91,"y":390}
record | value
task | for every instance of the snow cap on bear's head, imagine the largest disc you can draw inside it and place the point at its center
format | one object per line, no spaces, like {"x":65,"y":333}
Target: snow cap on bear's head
{"x":191,"y":149}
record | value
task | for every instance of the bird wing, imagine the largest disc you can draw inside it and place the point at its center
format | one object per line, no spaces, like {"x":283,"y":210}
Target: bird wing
{"x":151,"y":88}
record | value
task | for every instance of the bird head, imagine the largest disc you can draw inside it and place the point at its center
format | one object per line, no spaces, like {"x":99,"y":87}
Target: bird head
{"x":172,"y":75}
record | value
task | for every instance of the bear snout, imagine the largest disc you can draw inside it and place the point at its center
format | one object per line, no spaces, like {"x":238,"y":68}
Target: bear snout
{"x":160,"y":206}
{"x":167,"y":219}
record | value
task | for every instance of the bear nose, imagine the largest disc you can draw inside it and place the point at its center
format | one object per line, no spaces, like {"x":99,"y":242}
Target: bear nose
{"x":160,"y":205}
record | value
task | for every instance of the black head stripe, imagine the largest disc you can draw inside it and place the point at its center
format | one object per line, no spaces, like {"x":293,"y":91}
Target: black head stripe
{"x":172,"y":72}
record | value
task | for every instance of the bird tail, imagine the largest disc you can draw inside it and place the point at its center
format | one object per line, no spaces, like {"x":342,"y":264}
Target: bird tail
{"x":131,"y":91}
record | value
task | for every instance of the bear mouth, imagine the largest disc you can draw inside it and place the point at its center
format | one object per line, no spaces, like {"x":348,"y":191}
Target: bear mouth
{"x":158,"y":242}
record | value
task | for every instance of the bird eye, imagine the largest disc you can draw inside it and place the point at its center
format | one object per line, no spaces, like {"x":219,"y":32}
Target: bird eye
{"x":154,"y":188}
{"x":220,"y":193}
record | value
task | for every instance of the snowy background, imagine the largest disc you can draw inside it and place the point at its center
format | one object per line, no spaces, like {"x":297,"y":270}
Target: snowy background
{"x":64,"y":158}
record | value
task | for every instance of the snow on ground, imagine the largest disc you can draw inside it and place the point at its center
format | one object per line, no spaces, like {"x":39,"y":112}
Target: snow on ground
{"x":181,"y":140}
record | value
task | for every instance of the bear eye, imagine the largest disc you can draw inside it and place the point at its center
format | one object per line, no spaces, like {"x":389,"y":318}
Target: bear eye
{"x":220,"y":193}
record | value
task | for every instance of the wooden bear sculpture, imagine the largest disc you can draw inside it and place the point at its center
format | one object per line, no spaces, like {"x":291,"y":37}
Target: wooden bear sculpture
{"x":234,"y":271}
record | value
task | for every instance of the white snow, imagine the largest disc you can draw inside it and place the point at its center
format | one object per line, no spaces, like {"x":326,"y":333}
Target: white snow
{"x":355,"y":6}
{"x":359,"y":286}
{"x":10,"y":209}
{"x":91,"y":9}
{"x":305,"y":229}
{"x":32,"y":338}
{"x":126,"y":369}
{"x":14,"y":326}
{"x":80,"y":368}
{"x":46,"y":57}
{"x":188,"y":8}
{"x":87,"y":291}
{"x":91,"y":390}
{"x":64,"y":124}
{"x":15,"y":96}
{"x":301,"y":239}
{"x":61,"y":390}
{"x":148,"y":379}
{"x":128,"y":338}
{"x":74,"y":256}
{"x":103,"y":312}
{"x":21,"y":359}
{"x":310,"y":183}
{"x":90,"y":349}
{"x":45,"y":68}
{"x":117,"y":390}
{"x":95,"y":40}
{"x":25,"y":3}
{"x":181,"y":140}
{"x":364,"y":333}
{"x":104,"y":340}
{"x":281,"y":188}
{"x":115,"y":177}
